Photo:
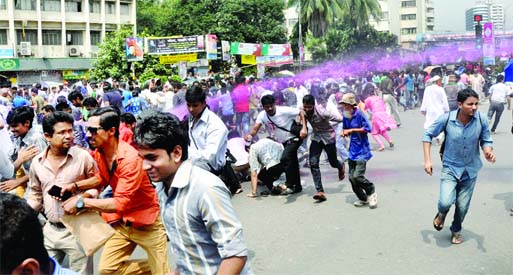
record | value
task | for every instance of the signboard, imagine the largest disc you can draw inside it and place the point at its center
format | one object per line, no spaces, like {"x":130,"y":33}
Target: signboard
{"x":6,"y":53}
{"x":134,"y":49}
{"x":225,"y":48}
{"x":10,"y":64}
{"x":276,"y":49}
{"x":488,"y":45}
{"x":211,"y":46}
{"x":248,"y":59}
{"x":182,"y":69}
{"x":488,"y":31}
{"x":171,"y":59}
{"x":173,"y":45}
{"x":275,"y":60}
{"x":72,"y":74}
{"x":489,"y":61}
{"x":245,"y":48}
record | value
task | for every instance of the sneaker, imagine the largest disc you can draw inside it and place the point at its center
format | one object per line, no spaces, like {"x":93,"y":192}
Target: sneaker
{"x":319,"y":196}
{"x":287,"y":191}
{"x":373,"y":200}
{"x":360,"y":203}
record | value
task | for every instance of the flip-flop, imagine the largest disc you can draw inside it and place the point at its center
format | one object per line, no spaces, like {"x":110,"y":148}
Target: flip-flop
{"x":440,"y":226}
{"x":456,"y":238}
{"x":252,"y":195}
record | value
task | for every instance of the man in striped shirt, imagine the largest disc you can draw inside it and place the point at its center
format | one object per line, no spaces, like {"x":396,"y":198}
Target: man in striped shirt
{"x":200,"y":221}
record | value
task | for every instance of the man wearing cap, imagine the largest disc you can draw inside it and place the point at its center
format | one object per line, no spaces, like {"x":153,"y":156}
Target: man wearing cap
{"x":435,"y":103}
{"x":356,"y":127}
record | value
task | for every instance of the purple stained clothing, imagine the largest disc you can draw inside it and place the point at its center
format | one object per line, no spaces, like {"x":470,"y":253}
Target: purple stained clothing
{"x":381,"y":120}
{"x":213,"y":103}
{"x":240,"y":98}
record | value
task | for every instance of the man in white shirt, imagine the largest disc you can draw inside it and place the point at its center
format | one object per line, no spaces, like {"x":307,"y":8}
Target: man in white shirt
{"x":207,"y":133}
{"x":434,"y":103}
{"x":498,"y":98}
{"x":279,"y":119}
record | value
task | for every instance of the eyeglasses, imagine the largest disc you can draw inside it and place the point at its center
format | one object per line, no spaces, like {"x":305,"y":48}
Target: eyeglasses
{"x":93,"y":130}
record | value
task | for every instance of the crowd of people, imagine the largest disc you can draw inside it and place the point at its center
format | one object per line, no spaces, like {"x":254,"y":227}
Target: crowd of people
{"x":160,"y":161}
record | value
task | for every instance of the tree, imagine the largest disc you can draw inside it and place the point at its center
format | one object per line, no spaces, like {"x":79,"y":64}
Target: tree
{"x":359,"y":12}
{"x":319,"y":14}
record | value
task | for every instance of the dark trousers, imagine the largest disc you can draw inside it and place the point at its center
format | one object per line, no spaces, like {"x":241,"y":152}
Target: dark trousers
{"x":268,"y":176}
{"x":362,"y":187}
{"x":497,"y":108}
{"x":316,"y":148}
{"x":291,"y":163}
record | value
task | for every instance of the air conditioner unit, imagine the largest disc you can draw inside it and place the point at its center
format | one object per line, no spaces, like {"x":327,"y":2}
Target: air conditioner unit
{"x":25,"y":49}
{"x":74,"y":51}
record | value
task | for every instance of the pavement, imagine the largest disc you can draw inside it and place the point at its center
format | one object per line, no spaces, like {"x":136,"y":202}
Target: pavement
{"x":296,"y":235}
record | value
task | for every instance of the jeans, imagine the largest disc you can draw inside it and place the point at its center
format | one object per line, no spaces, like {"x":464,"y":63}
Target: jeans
{"x":455,"y":191}
{"x":316,"y":148}
{"x":242,"y":122}
{"x":497,"y":108}
{"x":291,"y":163}
{"x":362,"y":187}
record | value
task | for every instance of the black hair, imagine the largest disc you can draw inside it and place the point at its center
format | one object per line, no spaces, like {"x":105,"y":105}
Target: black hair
{"x":74,"y":95}
{"x":48,"y":108}
{"x":22,"y":235}
{"x":267,"y":100}
{"x":195,"y":94}
{"x":20,"y":115}
{"x":62,"y":106}
{"x":109,"y":117}
{"x":50,"y":120}
{"x":158,"y":130}
{"x":309,"y":99}
{"x":500,"y":78}
{"x":127,"y":118}
{"x":90,"y":102}
{"x":466,"y":93}
{"x":34,"y":90}
{"x":38,"y":86}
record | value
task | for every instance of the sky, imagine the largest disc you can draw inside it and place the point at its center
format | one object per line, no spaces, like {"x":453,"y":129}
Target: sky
{"x":450,"y":14}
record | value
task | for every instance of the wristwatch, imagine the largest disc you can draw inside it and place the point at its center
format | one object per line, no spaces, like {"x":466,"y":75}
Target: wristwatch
{"x":80,"y":203}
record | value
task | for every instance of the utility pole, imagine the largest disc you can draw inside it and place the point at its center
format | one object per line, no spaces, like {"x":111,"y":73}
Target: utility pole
{"x":300,"y":39}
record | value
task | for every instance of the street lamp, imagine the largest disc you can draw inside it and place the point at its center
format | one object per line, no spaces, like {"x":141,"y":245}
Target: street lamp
{"x":300,"y":39}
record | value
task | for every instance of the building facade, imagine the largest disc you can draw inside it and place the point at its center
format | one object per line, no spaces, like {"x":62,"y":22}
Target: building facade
{"x":49,"y":38}
{"x":490,"y":12}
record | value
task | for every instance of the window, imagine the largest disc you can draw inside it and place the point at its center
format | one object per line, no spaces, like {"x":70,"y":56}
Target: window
{"x":110,"y":7}
{"x":408,"y":17}
{"x":96,"y":38}
{"x":431,"y":20}
{"x":25,"y":4}
{"x":74,"y":38}
{"x":3,"y":37}
{"x":384,"y":16}
{"x":30,"y":36}
{"x":51,"y":37}
{"x":51,"y":5}
{"x":94,"y":6}
{"x":124,"y":9}
{"x":409,"y":4}
{"x":430,"y":28}
{"x":409,"y":31}
{"x":3,"y":4}
{"x":73,"y":5}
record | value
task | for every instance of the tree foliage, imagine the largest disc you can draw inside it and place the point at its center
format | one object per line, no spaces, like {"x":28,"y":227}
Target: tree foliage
{"x":318,"y":14}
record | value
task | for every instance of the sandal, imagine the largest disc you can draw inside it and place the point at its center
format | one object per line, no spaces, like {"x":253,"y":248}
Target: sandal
{"x":252,"y":195}
{"x":381,"y":149}
{"x":457,"y":238}
{"x":440,"y":225}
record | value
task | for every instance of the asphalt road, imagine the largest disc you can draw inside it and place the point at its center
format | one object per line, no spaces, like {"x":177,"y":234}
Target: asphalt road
{"x":295,"y":235}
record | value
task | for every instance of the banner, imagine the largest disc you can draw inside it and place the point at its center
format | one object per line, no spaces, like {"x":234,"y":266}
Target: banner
{"x":75,"y":74}
{"x":488,"y":45}
{"x":276,"y":49}
{"x":171,"y":59}
{"x":248,"y":59}
{"x":172,"y":45}
{"x":134,"y":49}
{"x":211,"y":46}
{"x":275,"y":60}
{"x":225,"y":48}
{"x":6,"y":53}
{"x":10,"y":64}
{"x":245,"y":49}
{"x":182,"y":69}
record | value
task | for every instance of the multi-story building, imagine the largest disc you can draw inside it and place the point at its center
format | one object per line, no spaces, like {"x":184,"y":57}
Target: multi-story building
{"x":490,"y":12}
{"x":51,"y":40}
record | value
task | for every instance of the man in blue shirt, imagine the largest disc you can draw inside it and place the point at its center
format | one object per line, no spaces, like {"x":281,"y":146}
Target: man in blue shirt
{"x":465,"y":131}
{"x":356,"y":126}
{"x":19,"y":100}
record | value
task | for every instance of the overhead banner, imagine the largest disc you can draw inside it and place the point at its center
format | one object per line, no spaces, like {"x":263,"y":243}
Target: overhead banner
{"x":10,"y":64}
{"x":275,"y":60}
{"x":134,"y":49}
{"x":173,"y":45}
{"x":248,"y":59}
{"x":246,"y":48}
{"x":225,"y":48}
{"x":171,"y":59}
{"x":211,"y":46}
{"x":276,"y":49}
{"x":488,"y":45}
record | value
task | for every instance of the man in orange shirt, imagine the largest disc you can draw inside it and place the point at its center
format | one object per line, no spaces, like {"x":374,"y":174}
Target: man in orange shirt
{"x":133,"y":211}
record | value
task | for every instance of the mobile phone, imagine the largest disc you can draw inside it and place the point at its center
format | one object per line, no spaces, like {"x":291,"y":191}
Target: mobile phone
{"x":56,"y":192}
